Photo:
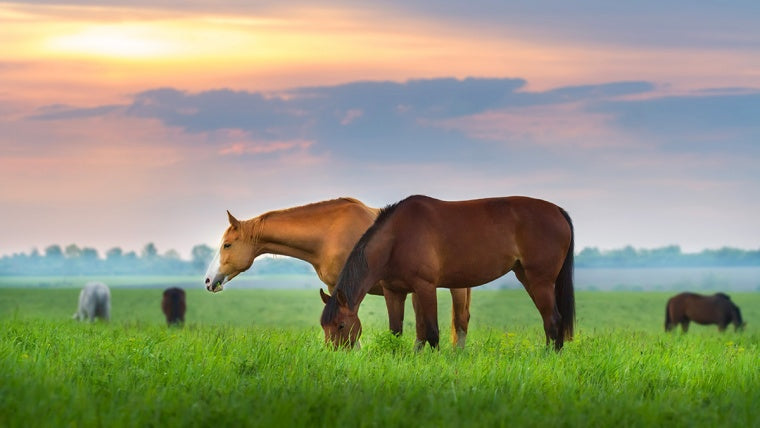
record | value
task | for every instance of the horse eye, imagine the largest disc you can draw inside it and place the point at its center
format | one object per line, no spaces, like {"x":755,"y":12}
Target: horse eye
{"x":341,"y":326}
{"x":227,"y":245}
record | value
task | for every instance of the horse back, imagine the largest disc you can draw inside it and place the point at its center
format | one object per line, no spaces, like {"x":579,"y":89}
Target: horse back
{"x":507,"y":222}
{"x":491,"y":234}
{"x":716,"y":309}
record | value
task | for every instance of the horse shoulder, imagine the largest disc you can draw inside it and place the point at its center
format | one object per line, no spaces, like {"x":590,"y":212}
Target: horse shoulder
{"x":339,"y":240}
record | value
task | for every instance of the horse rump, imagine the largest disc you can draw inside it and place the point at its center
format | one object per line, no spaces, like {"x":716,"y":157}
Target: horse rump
{"x":94,"y":302}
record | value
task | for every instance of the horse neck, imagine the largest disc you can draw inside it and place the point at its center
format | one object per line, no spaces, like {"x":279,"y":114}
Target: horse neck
{"x":367,"y":270}
{"x":736,"y":316}
{"x":287,"y":233}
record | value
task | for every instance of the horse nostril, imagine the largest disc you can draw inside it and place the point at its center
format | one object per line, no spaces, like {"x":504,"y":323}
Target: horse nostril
{"x":208,"y":280}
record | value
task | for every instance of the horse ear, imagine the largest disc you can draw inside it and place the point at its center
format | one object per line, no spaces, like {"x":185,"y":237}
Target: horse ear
{"x":325,"y":297}
{"x":235,"y":223}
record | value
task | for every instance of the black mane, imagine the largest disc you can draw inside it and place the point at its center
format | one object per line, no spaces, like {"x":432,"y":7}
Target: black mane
{"x":355,"y":268}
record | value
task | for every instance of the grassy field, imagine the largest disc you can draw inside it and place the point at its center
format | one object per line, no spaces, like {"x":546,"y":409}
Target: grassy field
{"x":256,"y":358}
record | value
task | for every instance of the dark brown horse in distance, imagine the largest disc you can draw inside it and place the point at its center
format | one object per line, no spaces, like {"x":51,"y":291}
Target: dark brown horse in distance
{"x":715,"y":309}
{"x":421,"y":243}
{"x":174,"y":306}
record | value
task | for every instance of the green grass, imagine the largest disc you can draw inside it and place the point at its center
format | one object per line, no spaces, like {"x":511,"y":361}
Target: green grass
{"x":256,"y":358}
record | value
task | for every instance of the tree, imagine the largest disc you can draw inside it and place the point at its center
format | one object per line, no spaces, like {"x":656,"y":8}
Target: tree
{"x":54,"y":252}
{"x":114,"y":254}
{"x":149,"y":251}
{"x":172,"y":255}
{"x":89,"y":253}
{"x":72,"y":251}
{"x":201,"y":256}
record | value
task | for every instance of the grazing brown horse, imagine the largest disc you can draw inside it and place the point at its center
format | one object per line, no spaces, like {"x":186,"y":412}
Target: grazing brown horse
{"x":174,"y":306}
{"x":715,"y":309}
{"x":422,"y":243}
{"x":323,"y":235}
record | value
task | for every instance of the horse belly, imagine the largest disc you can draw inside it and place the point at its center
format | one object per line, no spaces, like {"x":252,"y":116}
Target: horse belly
{"x":704,"y":316}
{"x":475,"y":271}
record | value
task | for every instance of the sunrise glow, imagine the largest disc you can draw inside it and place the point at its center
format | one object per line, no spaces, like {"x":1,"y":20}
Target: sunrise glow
{"x":123,"y":41}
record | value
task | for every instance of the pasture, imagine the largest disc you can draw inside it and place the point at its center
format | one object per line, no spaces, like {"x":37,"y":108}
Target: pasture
{"x":250,"y":357}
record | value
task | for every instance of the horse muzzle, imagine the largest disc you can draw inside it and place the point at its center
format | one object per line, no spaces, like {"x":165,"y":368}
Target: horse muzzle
{"x":216,"y":283}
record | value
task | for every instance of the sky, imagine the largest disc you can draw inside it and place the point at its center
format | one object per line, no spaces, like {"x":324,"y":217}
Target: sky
{"x":124,"y":123}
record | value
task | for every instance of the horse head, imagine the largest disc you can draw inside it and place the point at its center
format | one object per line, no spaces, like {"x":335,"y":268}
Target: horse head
{"x":341,"y":324}
{"x":234,"y":255}
{"x":736,"y":318}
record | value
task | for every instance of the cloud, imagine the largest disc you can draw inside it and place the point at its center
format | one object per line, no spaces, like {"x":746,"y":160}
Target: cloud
{"x":64,"y":112}
{"x":239,"y":149}
{"x":366,"y":120}
{"x":494,"y":123}
{"x":350,"y":116}
{"x":566,"y":125}
{"x":597,"y":22}
{"x":699,"y":122}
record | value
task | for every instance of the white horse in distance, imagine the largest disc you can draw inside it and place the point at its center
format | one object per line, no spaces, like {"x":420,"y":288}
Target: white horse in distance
{"x":94,"y":302}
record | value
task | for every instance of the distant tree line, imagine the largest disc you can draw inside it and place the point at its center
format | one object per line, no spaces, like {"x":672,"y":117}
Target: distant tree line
{"x":73,"y":260}
{"x":669,"y":256}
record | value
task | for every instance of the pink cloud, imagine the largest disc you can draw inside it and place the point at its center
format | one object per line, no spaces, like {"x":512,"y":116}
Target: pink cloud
{"x":350,"y":116}
{"x":551,"y":125}
{"x":257,"y":148}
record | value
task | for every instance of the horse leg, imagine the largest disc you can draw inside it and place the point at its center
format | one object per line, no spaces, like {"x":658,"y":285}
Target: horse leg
{"x":394,"y":301}
{"x":685,"y":325}
{"x":460,"y":315}
{"x":542,"y":293}
{"x":546,"y":304}
{"x":426,"y":314}
{"x":419,"y":322}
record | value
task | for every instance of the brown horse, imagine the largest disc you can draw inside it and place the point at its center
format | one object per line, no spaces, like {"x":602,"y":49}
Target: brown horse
{"x":174,"y":306}
{"x":716,"y":309}
{"x":323,"y":235}
{"x":422,"y":243}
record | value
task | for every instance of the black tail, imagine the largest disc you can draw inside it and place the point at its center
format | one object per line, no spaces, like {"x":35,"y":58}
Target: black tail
{"x":564,"y":293}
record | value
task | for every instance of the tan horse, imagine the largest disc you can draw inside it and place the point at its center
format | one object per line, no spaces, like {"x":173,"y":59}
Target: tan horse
{"x":323,"y":235}
{"x":422,"y":243}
